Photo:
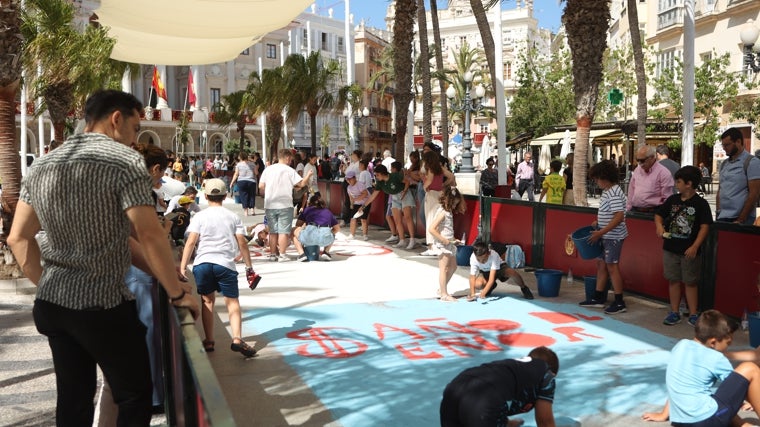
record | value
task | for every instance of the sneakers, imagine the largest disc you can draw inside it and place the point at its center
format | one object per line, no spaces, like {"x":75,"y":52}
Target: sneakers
{"x":411,"y":245}
{"x":272,"y":258}
{"x":326,"y":257}
{"x":350,"y":237}
{"x":527,"y":294}
{"x":252,"y":278}
{"x":400,"y":244}
{"x":615,"y":308}
{"x":672,"y":318}
{"x":365,"y":237}
{"x":592,"y":303}
{"x":302,"y":258}
{"x":428,"y":252}
{"x":392,"y":239}
{"x":693,"y":319}
{"x":283,"y":258}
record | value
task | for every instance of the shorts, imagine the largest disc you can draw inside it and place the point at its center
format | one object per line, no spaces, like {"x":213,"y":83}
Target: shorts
{"x":279,"y":220}
{"x":678,"y":268}
{"x":730,"y":397}
{"x":611,"y":249}
{"x":407,"y":202}
{"x":355,"y":208}
{"x":210,"y":278}
{"x":470,"y":401}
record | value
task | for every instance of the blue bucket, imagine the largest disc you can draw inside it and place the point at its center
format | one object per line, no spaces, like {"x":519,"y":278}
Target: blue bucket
{"x":754,"y":329}
{"x":586,"y":249}
{"x":590,"y":284}
{"x":236,"y":194}
{"x":548,"y":282}
{"x":312,"y":252}
{"x":463,"y":255}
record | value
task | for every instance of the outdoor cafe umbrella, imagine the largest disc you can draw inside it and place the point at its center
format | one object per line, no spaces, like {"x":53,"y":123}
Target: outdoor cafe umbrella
{"x":565,"y":150}
{"x":485,"y":151}
{"x":544,"y":158}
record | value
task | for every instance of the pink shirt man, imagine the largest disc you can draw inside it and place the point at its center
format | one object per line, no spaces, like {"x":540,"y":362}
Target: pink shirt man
{"x":651,"y":183}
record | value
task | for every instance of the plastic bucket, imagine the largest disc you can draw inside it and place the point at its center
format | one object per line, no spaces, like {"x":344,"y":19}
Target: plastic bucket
{"x":548,"y":282}
{"x":312,"y":253}
{"x":586,"y":249}
{"x":463,"y":255}
{"x":589,"y":282}
{"x":754,"y":329}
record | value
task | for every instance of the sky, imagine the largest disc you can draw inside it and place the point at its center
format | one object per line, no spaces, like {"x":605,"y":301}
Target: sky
{"x":548,"y":12}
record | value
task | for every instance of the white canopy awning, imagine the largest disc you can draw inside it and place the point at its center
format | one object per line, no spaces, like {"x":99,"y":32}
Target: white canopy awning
{"x":557,"y":137}
{"x":191,"y":32}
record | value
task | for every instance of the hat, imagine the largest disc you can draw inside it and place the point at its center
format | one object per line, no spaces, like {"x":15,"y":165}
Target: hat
{"x":214,"y":187}
{"x":184,"y":200}
{"x":351,"y":174}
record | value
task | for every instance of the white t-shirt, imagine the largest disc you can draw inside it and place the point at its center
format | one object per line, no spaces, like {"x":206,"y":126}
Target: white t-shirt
{"x":278,"y":181}
{"x":492,"y":263}
{"x":313,"y":181}
{"x":216,"y":227}
{"x":365,"y":178}
{"x":387,"y":163}
{"x":171,"y":187}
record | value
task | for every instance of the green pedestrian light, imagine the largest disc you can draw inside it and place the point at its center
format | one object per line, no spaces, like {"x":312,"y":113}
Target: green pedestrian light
{"x":615,"y":96}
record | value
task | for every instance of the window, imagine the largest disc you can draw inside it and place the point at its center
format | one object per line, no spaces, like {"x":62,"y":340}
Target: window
{"x":669,"y":12}
{"x":484,"y":128}
{"x":666,"y":60}
{"x":304,"y":38}
{"x":271,"y":51}
{"x":325,"y":44}
{"x":507,"y":71}
{"x":246,"y":52}
{"x":438,"y":129}
{"x":216,"y":95}
{"x":341,"y":47}
{"x":462,"y":40}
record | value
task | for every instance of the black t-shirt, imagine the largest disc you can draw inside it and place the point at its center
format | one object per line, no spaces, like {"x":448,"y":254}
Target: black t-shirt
{"x":515,"y":383}
{"x":682,"y":219}
{"x":569,"y":176}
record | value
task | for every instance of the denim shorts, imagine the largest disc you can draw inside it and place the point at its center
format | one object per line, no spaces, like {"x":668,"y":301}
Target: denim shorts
{"x":611,"y":249}
{"x":398,"y":203}
{"x":210,"y":278}
{"x":279,"y":220}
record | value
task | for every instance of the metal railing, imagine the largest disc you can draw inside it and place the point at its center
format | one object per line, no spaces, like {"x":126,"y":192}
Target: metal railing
{"x":193,"y":396}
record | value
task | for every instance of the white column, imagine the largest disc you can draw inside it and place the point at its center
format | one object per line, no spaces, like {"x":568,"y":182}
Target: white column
{"x":308,"y":36}
{"x":263,"y":122}
{"x":22,"y":132}
{"x":283,"y":52}
{"x":501,"y":119}
{"x":201,"y":87}
{"x":41,"y":123}
{"x":687,"y":140}
{"x":348,"y":43}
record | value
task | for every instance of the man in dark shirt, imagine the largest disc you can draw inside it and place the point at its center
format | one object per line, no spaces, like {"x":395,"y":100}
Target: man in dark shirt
{"x":488,"y":394}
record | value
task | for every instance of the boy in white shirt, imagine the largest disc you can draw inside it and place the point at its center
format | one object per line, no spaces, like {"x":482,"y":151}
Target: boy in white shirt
{"x":485,"y":267}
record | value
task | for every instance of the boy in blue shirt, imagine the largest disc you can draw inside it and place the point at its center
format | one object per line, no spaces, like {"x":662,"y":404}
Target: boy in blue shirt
{"x":694,"y":368}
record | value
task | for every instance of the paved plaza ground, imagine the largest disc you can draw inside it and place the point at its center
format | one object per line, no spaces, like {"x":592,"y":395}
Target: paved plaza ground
{"x":362,"y":341}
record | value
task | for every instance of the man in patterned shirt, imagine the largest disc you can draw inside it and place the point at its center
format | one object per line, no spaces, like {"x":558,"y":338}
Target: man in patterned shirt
{"x":80,"y":260}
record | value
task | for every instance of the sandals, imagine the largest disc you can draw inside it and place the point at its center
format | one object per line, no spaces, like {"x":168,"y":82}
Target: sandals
{"x":208,"y":345}
{"x":243,"y":348}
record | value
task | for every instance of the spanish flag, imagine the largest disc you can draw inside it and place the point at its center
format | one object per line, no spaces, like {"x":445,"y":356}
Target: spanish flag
{"x":158,"y":86}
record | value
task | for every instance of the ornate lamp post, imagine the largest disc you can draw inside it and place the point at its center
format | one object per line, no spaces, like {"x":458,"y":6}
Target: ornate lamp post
{"x":468,"y":106}
{"x":360,"y":118}
{"x":749,"y":34}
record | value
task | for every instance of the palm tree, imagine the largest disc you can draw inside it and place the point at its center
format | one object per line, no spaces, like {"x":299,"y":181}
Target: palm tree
{"x":466,"y":59}
{"x":427,"y":98}
{"x":641,"y":76}
{"x":269,"y":94}
{"x":233,"y":109}
{"x":311,"y":81}
{"x":73,"y":64}
{"x":403,"y":35}
{"x":586,"y":23}
{"x":439,"y":70}
{"x":349,"y":96}
{"x":479,"y":11}
{"x":10,"y":76}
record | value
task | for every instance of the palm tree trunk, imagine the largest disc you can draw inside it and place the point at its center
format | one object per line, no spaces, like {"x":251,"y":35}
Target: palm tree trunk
{"x":274,"y":127}
{"x":241,"y":130}
{"x":484,"y":27}
{"x":580,"y":160}
{"x":427,"y":98}
{"x":641,"y":77}
{"x":11,"y":170}
{"x":441,"y":82}
{"x":403,"y":34}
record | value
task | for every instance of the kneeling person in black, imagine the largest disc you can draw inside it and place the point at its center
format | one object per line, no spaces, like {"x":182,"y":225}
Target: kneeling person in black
{"x":488,"y":394}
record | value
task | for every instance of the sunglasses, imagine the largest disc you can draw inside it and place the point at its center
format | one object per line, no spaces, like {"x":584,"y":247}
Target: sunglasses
{"x":643,"y":160}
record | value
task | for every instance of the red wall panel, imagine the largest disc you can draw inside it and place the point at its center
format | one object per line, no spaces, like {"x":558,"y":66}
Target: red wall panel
{"x":641,"y":260}
{"x":737,"y":270}
{"x":559,"y":224}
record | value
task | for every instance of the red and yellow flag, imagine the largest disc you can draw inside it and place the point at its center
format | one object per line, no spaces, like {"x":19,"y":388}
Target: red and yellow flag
{"x":190,"y":88}
{"x":158,"y":86}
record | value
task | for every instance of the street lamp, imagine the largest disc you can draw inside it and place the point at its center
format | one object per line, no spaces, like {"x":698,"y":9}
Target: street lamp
{"x":748,"y":35}
{"x":468,"y":106}
{"x":360,"y":118}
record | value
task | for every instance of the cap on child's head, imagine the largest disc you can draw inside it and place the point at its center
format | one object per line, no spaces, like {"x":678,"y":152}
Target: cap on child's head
{"x":350,"y":174}
{"x":184,"y":200}
{"x":214,"y":187}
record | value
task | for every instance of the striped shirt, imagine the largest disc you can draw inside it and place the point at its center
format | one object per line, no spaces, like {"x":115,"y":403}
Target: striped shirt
{"x":80,"y":193}
{"x":612,"y":202}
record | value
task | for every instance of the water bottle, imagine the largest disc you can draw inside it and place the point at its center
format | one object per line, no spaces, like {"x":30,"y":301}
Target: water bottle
{"x":745,"y":321}
{"x":569,"y":276}
{"x":464,"y":238}
{"x":683,"y":308}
